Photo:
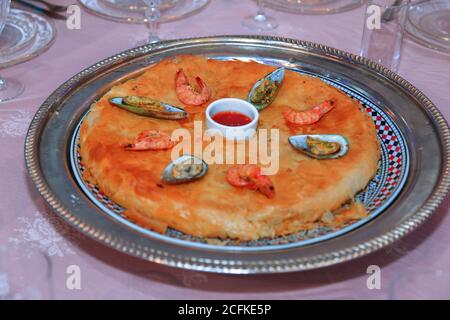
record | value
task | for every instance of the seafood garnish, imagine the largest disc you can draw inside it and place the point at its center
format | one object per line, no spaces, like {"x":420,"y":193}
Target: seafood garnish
{"x":149,"y":107}
{"x":187,"y":94}
{"x":151,"y":140}
{"x":266,"y":89}
{"x":249,"y":176}
{"x":321,"y":146}
{"x":184,"y":169}
{"x":309,"y":116}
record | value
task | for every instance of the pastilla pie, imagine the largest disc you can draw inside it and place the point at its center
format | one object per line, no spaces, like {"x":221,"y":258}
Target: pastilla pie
{"x":328,"y":151}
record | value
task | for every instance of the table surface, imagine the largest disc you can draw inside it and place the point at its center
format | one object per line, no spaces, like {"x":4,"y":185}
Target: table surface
{"x":37,"y":248}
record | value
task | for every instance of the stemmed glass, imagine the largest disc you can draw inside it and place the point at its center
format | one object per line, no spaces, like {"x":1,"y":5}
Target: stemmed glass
{"x":9,"y":88}
{"x":382,"y":42}
{"x":260,"y":22}
{"x":152,"y":14}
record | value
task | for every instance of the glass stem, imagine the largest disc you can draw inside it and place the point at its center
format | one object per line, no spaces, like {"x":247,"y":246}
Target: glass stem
{"x":153,"y":15}
{"x":2,"y":84}
{"x":260,"y":15}
{"x":261,"y":8}
{"x":153,"y":27}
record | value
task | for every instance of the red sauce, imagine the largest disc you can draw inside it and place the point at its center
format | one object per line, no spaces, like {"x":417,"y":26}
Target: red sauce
{"x":231,"y":118}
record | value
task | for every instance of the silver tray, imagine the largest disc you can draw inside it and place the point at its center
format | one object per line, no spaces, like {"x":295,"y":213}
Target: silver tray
{"x":49,"y":143}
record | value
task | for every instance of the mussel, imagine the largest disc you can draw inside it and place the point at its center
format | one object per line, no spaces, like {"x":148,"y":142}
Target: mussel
{"x":149,"y":107}
{"x":266,"y":89}
{"x":321,"y":146}
{"x":185,"y":169}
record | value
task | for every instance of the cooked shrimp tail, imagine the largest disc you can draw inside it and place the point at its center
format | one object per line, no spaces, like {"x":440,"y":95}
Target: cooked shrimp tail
{"x":310,"y":116}
{"x":187,"y":94}
{"x":151,"y":140}
{"x":249,"y":176}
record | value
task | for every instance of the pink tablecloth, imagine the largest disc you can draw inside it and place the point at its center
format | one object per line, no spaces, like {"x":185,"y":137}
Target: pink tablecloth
{"x":36,"y":248}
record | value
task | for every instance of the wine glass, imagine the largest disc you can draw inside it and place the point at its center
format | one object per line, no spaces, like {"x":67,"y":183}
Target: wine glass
{"x":152,"y":14}
{"x":9,"y":88}
{"x":383,"y":43}
{"x":260,"y":22}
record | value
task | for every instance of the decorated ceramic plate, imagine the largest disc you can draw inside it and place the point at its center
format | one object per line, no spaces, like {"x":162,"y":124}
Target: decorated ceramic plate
{"x":392,"y":173}
{"x":404,"y":191}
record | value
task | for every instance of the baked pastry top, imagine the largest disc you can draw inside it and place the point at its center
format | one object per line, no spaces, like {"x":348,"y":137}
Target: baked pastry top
{"x":306,"y":188}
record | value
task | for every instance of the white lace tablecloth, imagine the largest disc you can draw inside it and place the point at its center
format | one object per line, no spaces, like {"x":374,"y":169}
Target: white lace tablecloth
{"x":36,"y":248}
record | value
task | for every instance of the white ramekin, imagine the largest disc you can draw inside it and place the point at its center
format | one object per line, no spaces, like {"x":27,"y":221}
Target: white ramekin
{"x":236,"y":105}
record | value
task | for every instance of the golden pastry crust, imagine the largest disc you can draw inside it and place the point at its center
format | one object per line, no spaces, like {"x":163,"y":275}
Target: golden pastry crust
{"x":306,"y":188}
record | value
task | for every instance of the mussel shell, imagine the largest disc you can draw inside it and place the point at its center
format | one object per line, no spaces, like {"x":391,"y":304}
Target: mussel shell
{"x":167,"y":174}
{"x":169,"y":113}
{"x":277,"y":77}
{"x":299,"y":143}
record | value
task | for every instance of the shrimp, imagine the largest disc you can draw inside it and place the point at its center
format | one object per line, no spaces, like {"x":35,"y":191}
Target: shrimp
{"x":249,"y":176}
{"x":188,"y":94}
{"x":151,"y":140}
{"x":309,"y":116}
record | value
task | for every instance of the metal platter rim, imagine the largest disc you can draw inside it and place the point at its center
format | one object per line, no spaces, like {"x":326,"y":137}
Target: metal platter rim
{"x":32,"y":158}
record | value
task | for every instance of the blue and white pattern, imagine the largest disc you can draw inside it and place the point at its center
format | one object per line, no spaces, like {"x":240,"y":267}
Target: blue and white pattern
{"x":378,"y":195}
